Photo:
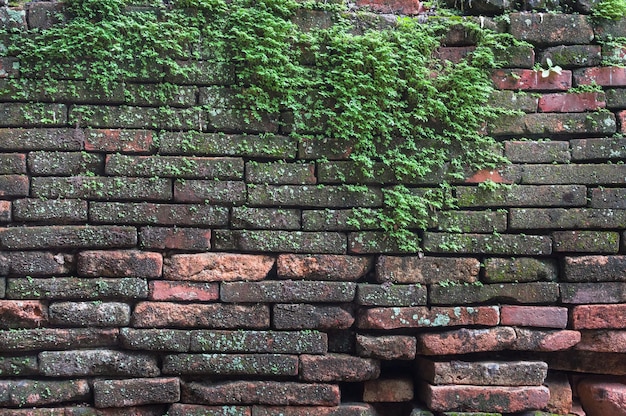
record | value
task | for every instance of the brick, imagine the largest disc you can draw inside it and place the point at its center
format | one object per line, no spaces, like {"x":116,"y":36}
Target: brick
{"x":551,"y":29}
{"x":595,"y":268}
{"x":602,"y":341}
{"x":560,"y":218}
{"x":66,"y":91}
{"x":102,"y":188}
{"x":57,"y":211}
{"x":322,"y":267}
{"x":388,"y":390}
{"x":218,"y":168}
{"x":329,"y":148}
{"x":183,"y":409}
{"x":183,"y":291}
{"x":533,"y":293}
{"x":454,"y":54}
{"x":615,"y":99}
{"x":9,"y":67}
{"x":344,"y":409}
{"x":426,"y":270}
{"x":599,"y":317}
{"x":386,"y":347}
{"x":602,"y":397}
{"x":587,"y":362}
{"x":69,"y":236}
{"x":392,"y":295}
{"x":5,"y":211}
{"x":77,"y":363}
{"x":221,"y":316}
{"x":217,"y":267}
{"x":12,"y":163}
{"x":472,"y":221}
{"x":81,"y":314}
{"x":81,"y":410}
{"x":581,"y":293}
{"x":422,"y":317}
{"x":155,"y":339}
{"x":621,"y":119}
{"x":280,"y":173}
{"x":349,"y":172}
{"x":133,"y":392}
{"x":608,"y":198}
{"x":306,"y":316}
{"x":161,"y":214}
{"x":22,"y":314}
{"x":68,"y":288}
{"x":465,"y":340}
{"x":38,"y":263}
{"x":544,"y":340}
{"x":606,"y":29}
{"x":17,"y":139}
{"x":50,"y":339}
{"x":281,"y":241}
{"x":560,"y":394}
{"x":534,"y":316}
{"x":260,"y":392}
{"x":120,"y":263}
{"x":484,"y":398}
{"x":537,"y":152}
{"x":163,"y":238}
{"x":287,"y":291}
{"x":210,"y":192}
{"x":237,"y":120}
{"x":265,"y":218}
{"x":64,"y":163}
{"x":264,"y":342}
{"x":134,"y":117}
{"x":574,"y":174}
{"x":160,"y":95}
{"x":608,"y":76}
{"x":523,"y":269}
{"x":396,"y":6}
{"x":200,"y":72}
{"x":337,"y":368}
{"x":260,"y":365}
{"x":541,"y":124}
{"x":572,"y":56}
{"x":504,"y":244}
{"x":125,"y":141}
{"x":313,"y":196}
{"x":374,"y":242}
{"x":482,"y":373}
{"x":531,"y":80}
{"x":523,"y":195}
{"x":586,"y":241}
{"x":598,"y":149}
{"x":341,"y":341}
{"x":14,"y":185}
{"x":512,"y":100}
{"x":33,"y":115}
{"x":42,"y":392}
{"x":19,"y":366}
{"x":571,"y":102}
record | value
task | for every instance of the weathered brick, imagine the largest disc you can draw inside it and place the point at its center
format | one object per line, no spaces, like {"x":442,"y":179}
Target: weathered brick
{"x":423,"y":317}
{"x":183,"y":409}
{"x":175,"y":238}
{"x":120,"y":263}
{"x":210,"y":192}
{"x":125,"y":141}
{"x":5,"y":211}
{"x":587,"y":362}
{"x":484,"y":398}
{"x":64,"y":163}
{"x":586,"y":241}
{"x":349,"y":172}
{"x":287,"y":291}
{"x":614,"y":198}
{"x":57,"y":211}
{"x":81,"y":410}
{"x":344,"y":409}
{"x":465,"y":340}
{"x":572,"y":102}
{"x":82,"y":314}
{"x":337,"y":368}
{"x":551,"y":29}
{"x":40,"y":139}
{"x":561,"y":218}
{"x":281,"y":241}
{"x":21,"y":365}
{"x":574,"y":174}
{"x":599,"y":316}
{"x":544,"y":340}
{"x":534,"y":316}
{"x":341,"y":341}
{"x":134,"y":117}
{"x":608,"y":76}
{"x":555,"y":123}
{"x":472,"y":221}
{"x":102,"y":188}
{"x":572,"y":56}
{"x":223,"y":316}
{"x":426,"y":270}
{"x":524,"y":269}
{"x":560,"y":393}
{"x":9,"y":68}
{"x":322,"y":267}
{"x":581,"y":293}
{"x":265,"y":218}
{"x":392,"y":7}
{"x":606,"y":29}
{"x":32,"y":115}
{"x":329,"y":148}
{"x":482,"y":373}
{"x":615,"y":98}
{"x":313,"y":196}
{"x":537,"y":152}
{"x":512,"y":100}
{"x":261,"y":392}
{"x":595,"y":268}
{"x":161,"y":214}
{"x":533,"y":293}
{"x":133,"y":392}
{"x":14,"y":185}
{"x":621,"y":120}
{"x":523,"y":195}
{"x":231,"y":364}
{"x":66,"y":91}
{"x":68,"y":288}
{"x":20,"y":393}
{"x":217,"y":168}
{"x":388,"y":390}
{"x":602,"y":397}
{"x":22,"y":314}
{"x":602,"y":341}
{"x":386,"y":347}
{"x":155,"y":339}
{"x":505,"y":244}
{"x":217,"y":267}
{"x":69,"y":236}
{"x":77,"y":363}
{"x":375,"y":242}
{"x":183,"y":291}
{"x":280,"y":173}
{"x":201,"y":72}
{"x":264,"y":342}
{"x":237,"y":120}
{"x":38,"y":263}
{"x":531,"y":80}
{"x":306,"y":316}
{"x":392,"y":295}
{"x":52,"y":339}
{"x":160,"y":95}
{"x":12,"y":163}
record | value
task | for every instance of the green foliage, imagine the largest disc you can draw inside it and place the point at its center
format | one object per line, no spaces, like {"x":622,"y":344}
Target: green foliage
{"x":610,"y":9}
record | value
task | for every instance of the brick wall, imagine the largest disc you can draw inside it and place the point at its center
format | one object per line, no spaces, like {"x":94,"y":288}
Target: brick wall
{"x":132,"y":284}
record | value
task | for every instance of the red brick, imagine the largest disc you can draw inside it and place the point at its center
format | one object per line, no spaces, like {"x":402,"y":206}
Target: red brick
{"x":259,"y":365}
{"x":560,"y":394}
{"x":164,"y":314}
{"x":599,"y":316}
{"x":423,"y":317}
{"x":183,"y":409}
{"x":175,"y":238}
{"x":531,"y":80}
{"x":5,"y":211}
{"x":390,"y":347}
{"x":68,"y":236}
{"x":409,"y":7}
{"x":465,"y":341}
{"x":337,"y":368}
{"x":133,"y":392}
{"x":602,"y":398}
{"x":426,"y":270}
{"x":306,"y":316}
{"x":217,"y":267}
{"x":41,"y":392}
{"x":322,"y":267}
{"x":388,"y":390}
{"x":484,"y":398}
{"x":183,"y":291}
{"x":454,"y":54}
{"x":347,"y":409}
{"x":22,"y":314}
{"x":621,"y":118}
{"x":487,"y":175}
{"x":126,"y":141}
{"x":544,"y":340}
{"x":97,"y":363}
{"x":534,"y":316}
{"x":571,"y":103}
{"x":606,"y":76}
{"x":602,"y":341}
{"x":127,"y":263}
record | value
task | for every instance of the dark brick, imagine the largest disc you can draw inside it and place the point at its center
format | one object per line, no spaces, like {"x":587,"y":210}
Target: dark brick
{"x":56,"y":339}
{"x":465,"y":341}
{"x":12,"y":163}
{"x":210,"y":192}
{"x":534,"y":316}
{"x":264,"y":342}
{"x":511,"y":100}
{"x":331,"y":149}
{"x":586,"y":241}
{"x":22,"y":314}
{"x":472,"y":221}
{"x":572,"y":102}
{"x":392,"y":7}
{"x":587,"y":362}
{"x":281,"y":241}
{"x":133,"y":392}
{"x":313,"y":196}
{"x":349,"y":172}
{"x":38,"y":263}
{"x":344,"y":409}
{"x":12,"y":18}
{"x":155,"y":339}
{"x":561,"y":218}
{"x":182,"y":409}
{"x":132,"y":117}
{"x":32,"y":115}
{"x":551,"y":29}
{"x":373,"y":242}
{"x":606,"y":29}
{"x":608,"y":76}
{"x":505,"y":244}
{"x":555,"y":123}
{"x":598,"y":149}
{"x":9,"y":68}
{"x":322,"y":267}
{"x":64,"y":163}
{"x":304,"y":316}
{"x":523,"y":195}
{"x":614,"y":198}
{"x":515,"y":56}
{"x":18,"y":366}
{"x":102,"y":188}
{"x":581,"y":293}
{"x":156,"y":95}
{"x":337,"y":368}
{"x":5,"y":211}
{"x":265,"y":218}
{"x":525,"y":293}
{"x":389,"y":347}
{"x":426,"y":270}
{"x":287,"y":291}
{"x":74,"y":91}
{"x":161,"y":214}
{"x":40,"y":139}
{"x":544,"y":340}
{"x":45,"y":15}
{"x":231,"y":364}
{"x":119,"y":263}
{"x":14,"y":185}
{"x":572,"y":56}
{"x":84,"y":314}
{"x":280,"y":173}
{"x":175,"y":238}
{"x":57,"y":211}
{"x":220,"y":316}
{"x":595,"y":268}
{"x":392,"y":295}
{"x":423,"y":317}
{"x":537,"y":152}
{"x":560,"y":393}
{"x":77,"y":363}
{"x":42,"y":392}
{"x":531,"y":80}
{"x":602,"y":341}
{"x":71,"y":288}
{"x":126,"y":141}
{"x":524,"y":269}
{"x":574,"y":174}
{"x":175,"y":166}
{"x":68,"y":236}
{"x":218,"y":267}
{"x":340,"y":219}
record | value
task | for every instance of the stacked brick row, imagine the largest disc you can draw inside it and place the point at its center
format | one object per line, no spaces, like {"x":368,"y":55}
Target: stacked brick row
{"x":157,"y":256}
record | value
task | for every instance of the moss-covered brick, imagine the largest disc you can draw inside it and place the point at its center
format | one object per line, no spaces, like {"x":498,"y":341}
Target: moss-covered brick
{"x":608,"y":198}
{"x":265,"y":218}
{"x":512,"y":100}
{"x":155,"y":339}
{"x":524,"y":293}
{"x":74,"y":288}
{"x":5,"y":211}
{"x":586,"y":293}
{"x":516,"y":56}
{"x":598,"y":149}
{"x":220,"y":97}
{"x":472,"y":221}
{"x":64,"y":163}
{"x":58,"y":211}
{"x":12,"y":163}
{"x":68,"y":236}
{"x":571,"y":56}
{"x":102,"y":188}
{"x":9,"y":68}
{"x":338,"y":367}
{"x":233,"y":120}
{"x":586,"y":241}
{"x":112,"y":140}
{"x":344,"y":172}
{"x":370,"y":242}
{"x":89,"y":314}
{"x":132,"y":117}
{"x":202,"y":73}
{"x":42,"y":392}
{"x":12,"y":139}
{"x":210,"y":192}
{"x":38,"y":263}
{"x":331,"y":149}
{"x":523,"y":195}
{"x":426,"y":270}
{"x":523,"y":269}
{"x":287,"y":291}
{"x":45,"y":15}
{"x":32,"y":115}
{"x":308,"y":316}
{"x":504,"y":244}
{"x":609,"y":76}
{"x":157,"y":214}
{"x":340,"y":220}
{"x":391,"y":295}
{"x":218,"y":168}
{"x":217,"y":144}
{"x":314,"y":196}
{"x":73,"y":363}
{"x":156,"y":95}
{"x":561,"y":218}
{"x":424,"y":317}
{"x":12,"y":18}
{"x":70,"y":92}
{"x":280,"y":173}
{"x":14,"y":185}
{"x":175,"y":238}
{"x":531,"y":80}
{"x":537,"y":151}
{"x":135,"y":392}
{"x":21,"y":365}
{"x":57,"y":339}
{"x":551,"y":29}
{"x":274,"y":342}
{"x":183,"y":409}
{"x":555,"y":123}
{"x":607,"y":29}
{"x":267,"y":365}
{"x":592,"y":174}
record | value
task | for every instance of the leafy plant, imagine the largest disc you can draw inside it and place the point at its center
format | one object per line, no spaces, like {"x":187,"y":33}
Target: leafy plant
{"x":610,"y":9}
